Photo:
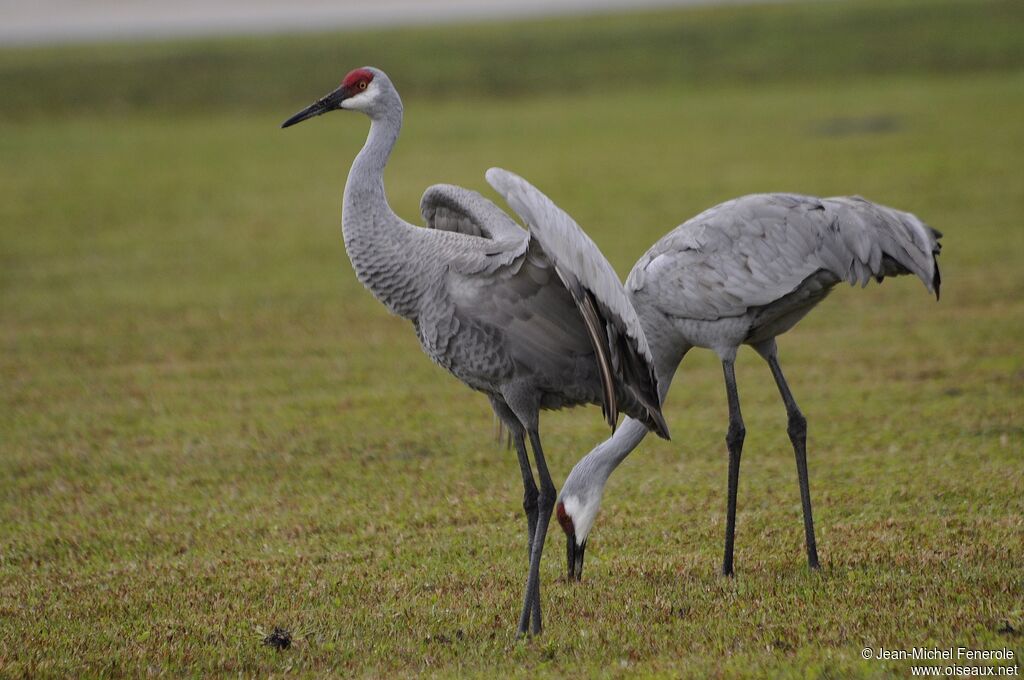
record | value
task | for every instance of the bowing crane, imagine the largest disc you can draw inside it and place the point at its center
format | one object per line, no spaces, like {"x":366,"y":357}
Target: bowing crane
{"x":743,"y":273}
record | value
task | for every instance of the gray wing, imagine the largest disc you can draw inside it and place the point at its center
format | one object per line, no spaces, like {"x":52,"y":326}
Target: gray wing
{"x":452,"y":208}
{"x":754,"y":250}
{"x":623,"y":355}
{"x":446,"y":207}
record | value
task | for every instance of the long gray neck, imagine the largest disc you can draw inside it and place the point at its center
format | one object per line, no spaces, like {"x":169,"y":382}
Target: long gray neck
{"x":603,"y":460}
{"x":379,"y":243}
{"x":366,"y":177}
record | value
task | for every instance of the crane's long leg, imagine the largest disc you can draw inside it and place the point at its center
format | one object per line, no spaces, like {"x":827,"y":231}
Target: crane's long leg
{"x":530,"y":493}
{"x":546,"y":502}
{"x":518,"y":434}
{"x":734,"y":441}
{"x":797,"y":429}
{"x":529,"y":505}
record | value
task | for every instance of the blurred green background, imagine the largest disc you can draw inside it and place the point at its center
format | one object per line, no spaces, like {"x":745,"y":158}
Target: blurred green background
{"x":208,"y":428}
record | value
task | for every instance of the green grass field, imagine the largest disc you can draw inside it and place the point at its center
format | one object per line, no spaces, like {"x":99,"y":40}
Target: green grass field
{"x":208,"y":428}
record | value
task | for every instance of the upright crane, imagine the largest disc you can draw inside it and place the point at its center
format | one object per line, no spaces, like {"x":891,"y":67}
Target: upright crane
{"x":534,"y":319}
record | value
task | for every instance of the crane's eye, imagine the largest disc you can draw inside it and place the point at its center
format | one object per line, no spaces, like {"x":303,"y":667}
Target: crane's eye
{"x":362,"y":84}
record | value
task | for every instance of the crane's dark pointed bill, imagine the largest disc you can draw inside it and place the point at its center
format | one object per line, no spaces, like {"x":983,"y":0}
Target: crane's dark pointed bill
{"x":574,"y":554}
{"x":320,"y":106}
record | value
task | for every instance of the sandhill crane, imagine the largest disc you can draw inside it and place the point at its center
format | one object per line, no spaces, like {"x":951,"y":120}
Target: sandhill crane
{"x":744,"y":272}
{"x":534,"y":320}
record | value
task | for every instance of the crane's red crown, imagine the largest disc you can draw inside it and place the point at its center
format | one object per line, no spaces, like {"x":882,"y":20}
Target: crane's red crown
{"x":357,"y":79}
{"x":564,"y":519}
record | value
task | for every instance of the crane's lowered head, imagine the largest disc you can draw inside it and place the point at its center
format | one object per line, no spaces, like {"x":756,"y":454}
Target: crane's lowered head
{"x":365,"y":89}
{"x":577,"y":508}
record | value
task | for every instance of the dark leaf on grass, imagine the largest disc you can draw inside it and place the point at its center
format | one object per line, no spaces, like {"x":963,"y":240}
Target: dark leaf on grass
{"x":1007,"y":629}
{"x":279,"y":638}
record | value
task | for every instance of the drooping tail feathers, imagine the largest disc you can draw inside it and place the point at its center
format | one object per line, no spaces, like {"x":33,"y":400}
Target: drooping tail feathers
{"x":875,"y":241}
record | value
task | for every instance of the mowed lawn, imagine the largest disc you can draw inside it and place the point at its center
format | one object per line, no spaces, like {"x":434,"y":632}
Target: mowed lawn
{"x":209,"y":429}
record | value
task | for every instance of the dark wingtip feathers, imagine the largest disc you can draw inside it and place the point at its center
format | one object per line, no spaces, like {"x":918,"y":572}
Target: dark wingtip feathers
{"x":660,"y":426}
{"x":587,"y":307}
{"x":936,"y":249}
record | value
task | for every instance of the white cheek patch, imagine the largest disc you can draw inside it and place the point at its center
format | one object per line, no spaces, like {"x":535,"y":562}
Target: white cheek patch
{"x":582,"y":515}
{"x":363,"y":100}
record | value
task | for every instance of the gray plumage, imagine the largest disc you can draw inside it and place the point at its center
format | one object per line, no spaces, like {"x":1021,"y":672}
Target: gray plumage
{"x":542,"y":304}
{"x":534,"y":319}
{"x":744,"y":272}
{"x":761,"y":257}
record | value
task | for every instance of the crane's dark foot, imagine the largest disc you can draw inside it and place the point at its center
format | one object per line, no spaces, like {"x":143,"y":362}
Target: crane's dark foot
{"x":528,"y":620}
{"x":812,"y":545}
{"x":535,"y":615}
{"x":727,"y":569}
{"x":523,"y":630}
